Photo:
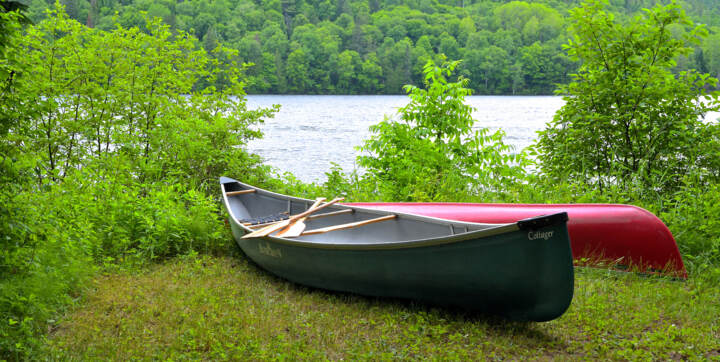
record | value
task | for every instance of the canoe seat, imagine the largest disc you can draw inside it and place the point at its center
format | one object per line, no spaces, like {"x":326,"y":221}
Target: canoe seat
{"x":265,"y":219}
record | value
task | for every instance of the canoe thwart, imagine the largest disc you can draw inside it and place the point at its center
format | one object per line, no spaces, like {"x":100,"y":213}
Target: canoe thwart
{"x":296,"y":227}
{"x":311,"y":217}
{"x":241,"y":192}
{"x":349,"y":225}
{"x":281,"y":224}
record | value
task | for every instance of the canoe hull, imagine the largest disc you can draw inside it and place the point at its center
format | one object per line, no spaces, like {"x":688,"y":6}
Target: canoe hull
{"x":519,"y":272}
{"x":624,"y":235}
{"x":487,"y":275}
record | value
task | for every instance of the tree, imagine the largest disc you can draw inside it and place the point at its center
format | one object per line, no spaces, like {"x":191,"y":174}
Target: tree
{"x":10,"y":20}
{"x":112,"y":124}
{"x":711,"y":54}
{"x":297,"y":72}
{"x":542,"y":68}
{"x":629,"y":121}
{"x":210,"y":40}
{"x":348,"y":65}
{"x":12,"y":165}
{"x":370,"y":75}
{"x":494,"y":70}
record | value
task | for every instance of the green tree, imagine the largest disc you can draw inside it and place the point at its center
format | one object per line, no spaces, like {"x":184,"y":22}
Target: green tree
{"x":517,"y":76}
{"x":629,"y":121}
{"x":396,"y":60}
{"x":13,"y":166}
{"x":711,"y":53}
{"x":297,"y":72}
{"x":370,"y":75}
{"x":210,"y":40}
{"x":109,"y":150}
{"x":542,"y":68}
{"x":449,"y":46}
{"x":494,"y":70}
{"x":348,"y":66}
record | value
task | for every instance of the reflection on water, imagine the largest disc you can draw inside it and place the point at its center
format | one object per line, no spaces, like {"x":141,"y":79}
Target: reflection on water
{"x":311,"y":132}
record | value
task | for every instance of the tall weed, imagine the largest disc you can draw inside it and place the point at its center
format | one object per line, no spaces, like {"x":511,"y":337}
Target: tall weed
{"x":54,"y":263}
{"x":694,"y":219}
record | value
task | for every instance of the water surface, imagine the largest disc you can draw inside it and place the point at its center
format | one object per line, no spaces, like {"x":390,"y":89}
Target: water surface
{"x":311,"y":132}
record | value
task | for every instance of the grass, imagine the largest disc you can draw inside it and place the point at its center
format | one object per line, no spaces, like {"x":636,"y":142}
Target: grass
{"x":203,"y":307}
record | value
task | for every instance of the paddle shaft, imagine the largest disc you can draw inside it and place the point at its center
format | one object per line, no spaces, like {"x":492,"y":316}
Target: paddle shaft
{"x":311,"y":217}
{"x":311,"y":210}
{"x":297,"y":227}
{"x":281,"y":224}
{"x":349,"y":225}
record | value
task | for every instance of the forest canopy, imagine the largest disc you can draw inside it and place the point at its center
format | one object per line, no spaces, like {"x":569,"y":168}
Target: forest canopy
{"x":376,"y":47}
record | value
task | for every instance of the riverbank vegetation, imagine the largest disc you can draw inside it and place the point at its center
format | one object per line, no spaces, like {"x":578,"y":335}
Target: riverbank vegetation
{"x":374,"y":46}
{"x":111,"y":143}
{"x":110,"y":152}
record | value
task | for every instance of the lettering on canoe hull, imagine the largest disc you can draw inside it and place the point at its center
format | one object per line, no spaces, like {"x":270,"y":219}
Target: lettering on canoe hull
{"x":534,"y":235}
{"x":269,"y":251}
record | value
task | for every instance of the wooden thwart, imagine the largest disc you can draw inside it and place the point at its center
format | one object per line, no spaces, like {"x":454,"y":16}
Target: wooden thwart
{"x":241,"y":192}
{"x":298,"y":226}
{"x":311,"y":217}
{"x":348,"y":226}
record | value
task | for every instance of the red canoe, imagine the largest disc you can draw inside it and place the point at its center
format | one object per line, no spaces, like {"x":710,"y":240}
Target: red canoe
{"x":628,"y":236}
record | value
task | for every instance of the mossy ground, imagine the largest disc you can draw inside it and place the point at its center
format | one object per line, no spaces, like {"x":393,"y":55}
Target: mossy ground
{"x":203,"y":307}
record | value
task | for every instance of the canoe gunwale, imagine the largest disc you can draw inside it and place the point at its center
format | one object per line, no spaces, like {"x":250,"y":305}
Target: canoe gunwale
{"x":490,"y":230}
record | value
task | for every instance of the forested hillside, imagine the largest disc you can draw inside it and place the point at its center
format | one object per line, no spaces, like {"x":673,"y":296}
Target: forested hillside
{"x":377,"y":46}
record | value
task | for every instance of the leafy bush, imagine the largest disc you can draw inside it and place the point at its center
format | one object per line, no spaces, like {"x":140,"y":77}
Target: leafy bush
{"x":113,"y":148}
{"x":121,"y":218}
{"x":432,"y":152}
{"x":632,"y":131}
{"x":43,"y":263}
{"x":694,"y":219}
{"x":628,"y":120}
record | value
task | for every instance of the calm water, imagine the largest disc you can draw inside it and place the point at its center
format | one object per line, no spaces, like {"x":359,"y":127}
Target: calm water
{"x":311,"y":132}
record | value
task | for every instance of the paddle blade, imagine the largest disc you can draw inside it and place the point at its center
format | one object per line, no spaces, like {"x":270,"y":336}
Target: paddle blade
{"x":275,"y":227}
{"x":293,"y":230}
{"x":267,"y":230}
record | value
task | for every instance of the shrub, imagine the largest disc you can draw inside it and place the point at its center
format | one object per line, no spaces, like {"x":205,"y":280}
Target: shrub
{"x":693,"y":216}
{"x":628,"y":119}
{"x":113,"y":147}
{"x":432,"y":152}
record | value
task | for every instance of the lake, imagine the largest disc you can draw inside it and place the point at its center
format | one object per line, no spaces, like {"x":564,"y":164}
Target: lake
{"x":311,"y":132}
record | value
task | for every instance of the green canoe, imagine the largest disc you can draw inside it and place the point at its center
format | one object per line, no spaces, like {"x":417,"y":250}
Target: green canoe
{"x":521,"y":270}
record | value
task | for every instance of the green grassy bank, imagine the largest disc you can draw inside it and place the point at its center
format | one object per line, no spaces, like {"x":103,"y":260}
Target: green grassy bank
{"x":204,"y":307}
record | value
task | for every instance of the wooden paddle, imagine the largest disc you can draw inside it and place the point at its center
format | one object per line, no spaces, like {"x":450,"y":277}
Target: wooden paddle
{"x":281,"y":224}
{"x":311,"y":217}
{"x":296,"y":228}
{"x":349,"y":225}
